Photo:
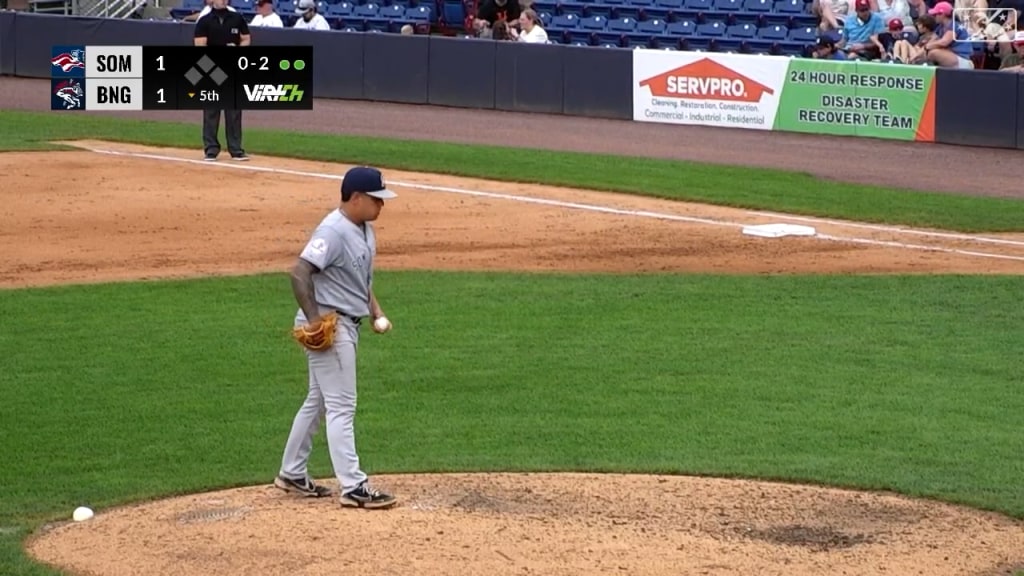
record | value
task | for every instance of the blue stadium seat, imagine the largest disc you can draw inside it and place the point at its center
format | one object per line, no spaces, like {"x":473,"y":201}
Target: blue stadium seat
{"x":601,"y":9}
{"x":638,"y":41}
{"x":803,"y":20}
{"x":743,"y":31}
{"x":661,"y":9}
{"x":626,"y":11}
{"x":774,"y":33}
{"x":668,"y":41}
{"x":728,"y":5}
{"x":564,"y":22}
{"x":571,"y":7}
{"x":758,"y":6}
{"x":789,"y":7}
{"x":722,"y":18}
{"x":545,"y":6}
{"x":593,"y":23}
{"x":453,"y":13}
{"x":805,"y":35}
{"x":391,"y":12}
{"x":711,"y":30}
{"x":653,"y":27}
{"x":697,"y":43}
{"x":339,"y":9}
{"x":545,"y":18}
{"x":697,"y":5}
{"x":615,"y":32}
{"x":365,"y":11}
{"x":419,"y":13}
{"x":681,"y":28}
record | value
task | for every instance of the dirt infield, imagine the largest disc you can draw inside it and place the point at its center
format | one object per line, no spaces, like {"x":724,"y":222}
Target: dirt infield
{"x":131,"y":217}
{"x":136,"y":212}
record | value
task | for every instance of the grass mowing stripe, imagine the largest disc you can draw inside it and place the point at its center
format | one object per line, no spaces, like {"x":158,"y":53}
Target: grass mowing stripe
{"x":731,"y":186}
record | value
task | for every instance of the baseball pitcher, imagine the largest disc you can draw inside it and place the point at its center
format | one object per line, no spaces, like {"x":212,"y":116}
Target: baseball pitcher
{"x":333,"y":285}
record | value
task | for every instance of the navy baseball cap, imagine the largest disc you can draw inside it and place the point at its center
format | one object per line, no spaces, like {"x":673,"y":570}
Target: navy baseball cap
{"x":366,"y":180}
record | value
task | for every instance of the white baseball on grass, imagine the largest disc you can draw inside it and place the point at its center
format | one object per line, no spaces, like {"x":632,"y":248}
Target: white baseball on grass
{"x":382,"y":324}
{"x":81,"y":513}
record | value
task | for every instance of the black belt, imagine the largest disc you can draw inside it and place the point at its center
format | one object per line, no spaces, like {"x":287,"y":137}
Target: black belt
{"x":357,"y":320}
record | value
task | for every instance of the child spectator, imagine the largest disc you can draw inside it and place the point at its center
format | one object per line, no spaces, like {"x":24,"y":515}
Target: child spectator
{"x":826,"y":48}
{"x":906,"y":52}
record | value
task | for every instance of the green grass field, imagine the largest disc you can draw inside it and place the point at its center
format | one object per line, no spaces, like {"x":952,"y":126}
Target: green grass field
{"x":724,"y":185}
{"x":119,"y":392}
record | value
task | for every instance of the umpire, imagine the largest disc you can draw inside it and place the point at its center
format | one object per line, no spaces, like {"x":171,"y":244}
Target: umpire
{"x":222,"y":26}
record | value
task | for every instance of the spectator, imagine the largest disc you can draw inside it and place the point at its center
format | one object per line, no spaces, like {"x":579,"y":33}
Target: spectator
{"x":896,"y":32}
{"x":862,"y":33}
{"x":827,"y":47}
{"x":408,"y":30}
{"x":500,"y":31}
{"x":831,"y":13}
{"x":492,"y":11}
{"x":906,"y":52}
{"x":950,"y":48}
{"x":532,"y":28}
{"x":309,"y":19}
{"x":971,"y":13}
{"x":889,"y":9}
{"x":1012,"y":62}
{"x":265,"y":16}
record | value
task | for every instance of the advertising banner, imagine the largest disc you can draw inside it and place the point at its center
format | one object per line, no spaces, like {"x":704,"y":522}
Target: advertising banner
{"x":858,"y":99}
{"x":786,"y":94}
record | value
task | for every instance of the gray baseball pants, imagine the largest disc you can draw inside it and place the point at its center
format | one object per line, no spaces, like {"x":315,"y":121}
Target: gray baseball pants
{"x":332,"y":393}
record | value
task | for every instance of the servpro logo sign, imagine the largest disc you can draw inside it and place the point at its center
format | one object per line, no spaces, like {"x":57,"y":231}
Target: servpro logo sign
{"x":729,"y":90}
{"x":706,"y":80}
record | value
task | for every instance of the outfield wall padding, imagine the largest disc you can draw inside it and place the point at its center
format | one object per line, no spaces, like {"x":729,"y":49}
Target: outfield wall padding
{"x":971,"y":107}
{"x":528,"y":78}
{"x":395,"y":68}
{"x":1020,"y":111}
{"x":7,"y":43}
{"x":461,"y":72}
{"x":977,"y":108}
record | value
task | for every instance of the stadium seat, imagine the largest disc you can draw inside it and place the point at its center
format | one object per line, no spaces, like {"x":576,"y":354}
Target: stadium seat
{"x":593,"y":23}
{"x":453,"y":13}
{"x":615,"y":31}
{"x":805,"y":35}
{"x":340,"y":9}
{"x":789,"y":7}
{"x":711,"y":30}
{"x":743,"y":31}
{"x":545,"y":6}
{"x":728,"y":5}
{"x":758,"y":6}
{"x":365,"y":11}
{"x":774,"y":33}
{"x":571,"y":7}
{"x":419,"y":13}
{"x":697,"y":5}
{"x":653,"y":27}
{"x":681,"y":28}
{"x":564,"y":22}
{"x":602,"y":9}
{"x":391,"y":12}
{"x":697,"y":43}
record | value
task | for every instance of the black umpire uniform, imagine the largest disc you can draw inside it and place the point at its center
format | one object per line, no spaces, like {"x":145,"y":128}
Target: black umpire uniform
{"x":222,"y":26}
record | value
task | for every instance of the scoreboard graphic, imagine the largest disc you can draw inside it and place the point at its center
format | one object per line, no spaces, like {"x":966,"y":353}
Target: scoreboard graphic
{"x":181,"y":77}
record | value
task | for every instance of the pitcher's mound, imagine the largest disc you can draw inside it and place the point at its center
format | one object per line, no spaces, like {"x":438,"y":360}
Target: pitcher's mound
{"x":496,"y":524}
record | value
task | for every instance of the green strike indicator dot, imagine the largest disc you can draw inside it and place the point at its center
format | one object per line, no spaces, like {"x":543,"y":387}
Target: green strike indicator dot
{"x":283,"y":64}
{"x":300,"y":64}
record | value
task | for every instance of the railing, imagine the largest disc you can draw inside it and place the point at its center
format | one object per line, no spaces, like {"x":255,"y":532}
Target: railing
{"x":105,"y":8}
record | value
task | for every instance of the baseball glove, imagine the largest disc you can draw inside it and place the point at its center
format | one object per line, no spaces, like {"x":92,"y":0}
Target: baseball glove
{"x":317,"y":335}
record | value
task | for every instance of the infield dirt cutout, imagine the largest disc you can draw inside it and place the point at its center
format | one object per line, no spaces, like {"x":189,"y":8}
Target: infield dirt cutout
{"x":120,"y":217}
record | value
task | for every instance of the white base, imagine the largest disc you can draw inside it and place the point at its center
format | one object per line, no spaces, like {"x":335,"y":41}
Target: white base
{"x":778,"y":230}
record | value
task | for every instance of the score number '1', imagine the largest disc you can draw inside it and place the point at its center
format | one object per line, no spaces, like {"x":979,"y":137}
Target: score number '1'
{"x":243,"y":64}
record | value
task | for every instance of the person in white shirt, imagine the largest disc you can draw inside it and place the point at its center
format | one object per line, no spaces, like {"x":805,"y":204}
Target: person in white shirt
{"x":265,"y":15}
{"x":309,"y":19}
{"x":532,"y":31}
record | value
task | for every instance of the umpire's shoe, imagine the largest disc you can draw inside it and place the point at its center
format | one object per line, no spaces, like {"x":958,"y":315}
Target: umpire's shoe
{"x":365,"y":497}
{"x":305,"y":487}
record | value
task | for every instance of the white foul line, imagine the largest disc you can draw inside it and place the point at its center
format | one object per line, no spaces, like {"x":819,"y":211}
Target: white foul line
{"x":621,"y":211}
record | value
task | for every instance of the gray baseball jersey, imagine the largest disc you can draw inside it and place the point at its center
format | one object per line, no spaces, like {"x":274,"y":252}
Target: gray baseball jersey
{"x":344,"y":253}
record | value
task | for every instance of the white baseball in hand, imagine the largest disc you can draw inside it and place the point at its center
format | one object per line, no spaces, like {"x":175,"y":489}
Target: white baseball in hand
{"x":382,"y":324}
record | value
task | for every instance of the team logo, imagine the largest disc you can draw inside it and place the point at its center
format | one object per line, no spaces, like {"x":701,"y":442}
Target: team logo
{"x":68,"y":61}
{"x":67,"y":94}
